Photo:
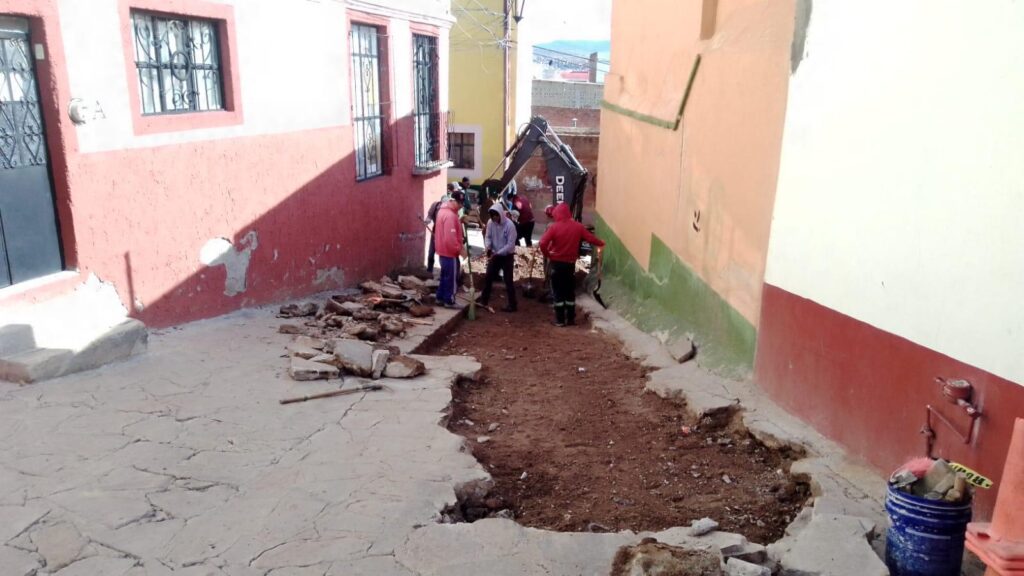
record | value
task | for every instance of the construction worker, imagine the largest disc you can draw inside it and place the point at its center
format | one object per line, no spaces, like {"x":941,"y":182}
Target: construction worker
{"x":525,"y":221}
{"x":561,"y":245}
{"x":449,"y":245}
{"x":500,"y":246}
{"x":431,"y":220}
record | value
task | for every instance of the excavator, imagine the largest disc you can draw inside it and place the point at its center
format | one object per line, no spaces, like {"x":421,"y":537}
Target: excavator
{"x":566,"y":176}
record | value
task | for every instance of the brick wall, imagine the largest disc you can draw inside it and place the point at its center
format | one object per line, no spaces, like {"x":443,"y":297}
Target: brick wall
{"x":563,"y":117}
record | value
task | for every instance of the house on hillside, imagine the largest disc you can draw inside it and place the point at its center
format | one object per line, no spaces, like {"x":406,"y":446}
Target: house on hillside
{"x":180,"y":160}
{"x":489,"y":86}
{"x":834,"y":222}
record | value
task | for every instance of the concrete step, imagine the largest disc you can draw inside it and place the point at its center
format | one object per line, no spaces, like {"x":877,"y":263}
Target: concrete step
{"x":82,"y":330}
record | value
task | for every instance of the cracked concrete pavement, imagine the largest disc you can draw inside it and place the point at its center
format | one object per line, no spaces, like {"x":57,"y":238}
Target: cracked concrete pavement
{"x":182,"y":461}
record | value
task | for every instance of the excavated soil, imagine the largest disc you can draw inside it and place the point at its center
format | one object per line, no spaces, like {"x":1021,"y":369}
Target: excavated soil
{"x":574,"y":443}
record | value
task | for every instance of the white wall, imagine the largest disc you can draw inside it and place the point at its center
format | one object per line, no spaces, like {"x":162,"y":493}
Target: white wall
{"x":293,"y":68}
{"x":901,"y":194}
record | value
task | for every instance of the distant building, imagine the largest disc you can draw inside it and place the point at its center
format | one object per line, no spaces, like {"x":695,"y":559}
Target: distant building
{"x":489,"y":85}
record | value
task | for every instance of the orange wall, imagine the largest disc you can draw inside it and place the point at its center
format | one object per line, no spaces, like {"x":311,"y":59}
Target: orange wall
{"x":723,"y":160}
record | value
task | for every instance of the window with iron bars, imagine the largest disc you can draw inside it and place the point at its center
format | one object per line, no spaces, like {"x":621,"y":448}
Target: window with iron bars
{"x":178,"y":63}
{"x":367,"y":110}
{"x":426,"y":111}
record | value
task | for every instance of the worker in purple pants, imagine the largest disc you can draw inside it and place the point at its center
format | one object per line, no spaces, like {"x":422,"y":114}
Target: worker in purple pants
{"x":449,"y":246}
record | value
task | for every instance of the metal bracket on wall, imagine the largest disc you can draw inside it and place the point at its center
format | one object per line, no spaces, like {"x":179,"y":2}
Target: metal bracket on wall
{"x":957,"y":392}
{"x":648,"y":119}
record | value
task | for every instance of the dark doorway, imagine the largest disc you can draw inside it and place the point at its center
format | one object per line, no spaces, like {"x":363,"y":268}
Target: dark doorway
{"x":29,"y":241}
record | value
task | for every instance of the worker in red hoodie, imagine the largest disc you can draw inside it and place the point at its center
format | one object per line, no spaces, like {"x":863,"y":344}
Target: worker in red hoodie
{"x":449,"y":244}
{"x":561,"y":245}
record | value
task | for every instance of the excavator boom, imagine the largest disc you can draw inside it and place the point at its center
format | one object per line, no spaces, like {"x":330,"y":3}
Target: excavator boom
{"x":566,"y":176}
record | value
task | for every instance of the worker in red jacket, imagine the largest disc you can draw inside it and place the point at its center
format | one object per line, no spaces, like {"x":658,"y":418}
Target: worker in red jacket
{"x":449,"y":243}
{"x":561,"y":245}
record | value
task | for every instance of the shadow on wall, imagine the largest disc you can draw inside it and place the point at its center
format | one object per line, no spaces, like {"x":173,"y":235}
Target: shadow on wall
{"x":327,"y":233}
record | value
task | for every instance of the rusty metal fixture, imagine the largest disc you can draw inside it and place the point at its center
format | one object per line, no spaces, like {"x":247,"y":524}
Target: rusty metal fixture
{"x":958,"y":392}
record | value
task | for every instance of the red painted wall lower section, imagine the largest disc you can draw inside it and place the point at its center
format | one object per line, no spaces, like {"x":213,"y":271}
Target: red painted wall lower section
{"x":868,"y":389}
{"x":142,"y":216}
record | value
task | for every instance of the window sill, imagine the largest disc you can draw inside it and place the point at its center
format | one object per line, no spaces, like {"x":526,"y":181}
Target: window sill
{"x":433,"y":167}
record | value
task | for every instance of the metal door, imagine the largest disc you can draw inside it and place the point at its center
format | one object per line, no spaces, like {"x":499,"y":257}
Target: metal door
{"x":29,"y":244}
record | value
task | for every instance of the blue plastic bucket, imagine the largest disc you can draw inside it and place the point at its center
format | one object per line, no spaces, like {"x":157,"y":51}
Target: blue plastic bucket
{"x":926,"y":537}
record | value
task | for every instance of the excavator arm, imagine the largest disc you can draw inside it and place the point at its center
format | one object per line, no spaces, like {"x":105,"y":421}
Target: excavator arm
{"x":567,"y":177}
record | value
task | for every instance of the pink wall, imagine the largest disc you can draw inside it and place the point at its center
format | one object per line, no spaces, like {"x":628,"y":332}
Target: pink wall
{"x":143,"y":216}
{"x":139,"y":217}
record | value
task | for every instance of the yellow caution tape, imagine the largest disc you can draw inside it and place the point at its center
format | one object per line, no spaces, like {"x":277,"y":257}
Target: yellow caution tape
{"x":972,"y":477}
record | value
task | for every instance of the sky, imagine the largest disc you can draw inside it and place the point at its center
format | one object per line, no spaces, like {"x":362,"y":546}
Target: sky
{"x":568,"y":19}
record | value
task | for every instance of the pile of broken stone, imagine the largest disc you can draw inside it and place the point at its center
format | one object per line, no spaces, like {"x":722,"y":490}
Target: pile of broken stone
{"x":350,"y":332}
{"x":379,"y":312}
{"x":317,"y":359}
{"x":932,"y":480}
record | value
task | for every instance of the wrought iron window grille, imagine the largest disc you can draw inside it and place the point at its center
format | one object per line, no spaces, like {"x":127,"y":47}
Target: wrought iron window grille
{"x":22,"y":143}
{"x":369,"y":112}
{"x":427,"y":116}
{"x":178,"y":63}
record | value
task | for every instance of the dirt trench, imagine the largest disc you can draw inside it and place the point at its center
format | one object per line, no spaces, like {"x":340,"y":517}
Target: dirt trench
{"x":561,"y":421}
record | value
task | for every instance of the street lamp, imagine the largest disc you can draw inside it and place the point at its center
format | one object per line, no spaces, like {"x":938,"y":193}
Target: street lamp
{"x":517,"y":9}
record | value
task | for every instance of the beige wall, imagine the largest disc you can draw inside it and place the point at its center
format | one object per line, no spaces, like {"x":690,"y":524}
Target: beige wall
{"x":723,"y":160}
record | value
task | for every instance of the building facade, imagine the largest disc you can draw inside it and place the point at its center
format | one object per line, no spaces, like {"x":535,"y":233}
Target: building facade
{"x":490,"y":85}
{"x":847,"y":212}
{"x":200,"y":156}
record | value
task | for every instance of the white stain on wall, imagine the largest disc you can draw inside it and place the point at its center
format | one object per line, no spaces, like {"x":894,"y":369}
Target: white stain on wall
{"x":221,"y":252}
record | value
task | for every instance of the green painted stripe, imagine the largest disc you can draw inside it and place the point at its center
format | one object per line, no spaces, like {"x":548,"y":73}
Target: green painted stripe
{"x":653,"y":120}
{"x":670,"y":297}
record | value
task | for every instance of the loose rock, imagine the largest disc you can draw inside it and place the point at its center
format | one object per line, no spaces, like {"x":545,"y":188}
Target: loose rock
{"x":298,"y":310}
{"x":305,"y":370}
{"x":702,"y":526}
{"x":354,"y":356}
{"x":308,"y":342}
{"x":290,"y":329}
{"x":737,"y":567}
{"x":404,"y":367}
{"x":379,"y":363}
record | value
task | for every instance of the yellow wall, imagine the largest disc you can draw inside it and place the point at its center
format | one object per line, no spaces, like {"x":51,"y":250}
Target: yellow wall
{"x":723,"y":159}
{"x":476,"y":94}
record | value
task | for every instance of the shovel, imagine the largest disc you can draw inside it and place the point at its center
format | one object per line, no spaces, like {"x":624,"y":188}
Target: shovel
{"x":596,"y":292}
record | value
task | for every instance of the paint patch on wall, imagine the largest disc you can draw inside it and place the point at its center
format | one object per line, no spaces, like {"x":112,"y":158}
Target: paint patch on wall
{"x":803,"y":22}
{"x":330,"y":278}
{"x":221,"y":252}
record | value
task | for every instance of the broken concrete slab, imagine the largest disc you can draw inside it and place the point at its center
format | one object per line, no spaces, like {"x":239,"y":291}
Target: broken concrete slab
{"x":354,"y":356}
{"x":304,"y":352}
{"x":747,"y":552}
{"x":59,"y":544}
{"x":705,"y":394}
{"x":737,"y":567}
{"x":17,"y":562}
{"x":306,"y":370}
{"x":309,"y":342}
{"x":404,"y":367}
{"x":379,"y":361}
{"x":682,"y":349}
{"x":834,"y":545}
{"x":772,"y":435}
{"x":16,"y":519}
